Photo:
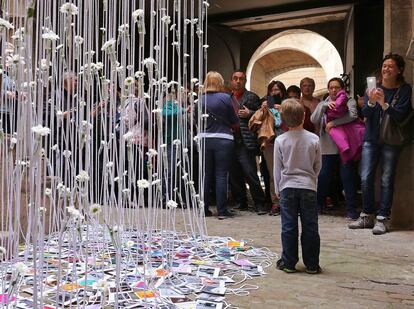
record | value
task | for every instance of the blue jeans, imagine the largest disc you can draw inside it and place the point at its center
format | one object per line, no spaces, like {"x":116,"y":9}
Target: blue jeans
{"x":244,"y":169}
{"x":218,"y":156}
{"x":371,"y":155}
{"x":294,"y":202}
{"x":348,"y":174}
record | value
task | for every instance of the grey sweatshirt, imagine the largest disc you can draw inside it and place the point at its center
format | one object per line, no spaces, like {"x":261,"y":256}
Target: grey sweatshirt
{"x":297,"y":161}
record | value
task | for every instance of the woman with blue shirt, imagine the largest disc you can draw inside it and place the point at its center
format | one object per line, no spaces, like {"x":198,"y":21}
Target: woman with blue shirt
{"x":218,"y":141}
{"x":379,"y":102}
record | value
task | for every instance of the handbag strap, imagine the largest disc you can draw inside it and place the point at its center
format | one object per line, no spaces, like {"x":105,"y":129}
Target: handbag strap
{"x":395,"y":97}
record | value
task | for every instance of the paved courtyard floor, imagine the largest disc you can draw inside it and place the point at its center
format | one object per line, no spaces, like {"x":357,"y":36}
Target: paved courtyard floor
{"x":360,"y":270}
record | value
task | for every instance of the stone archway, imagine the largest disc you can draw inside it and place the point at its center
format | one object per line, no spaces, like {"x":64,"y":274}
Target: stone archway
{"x":289,"y":50}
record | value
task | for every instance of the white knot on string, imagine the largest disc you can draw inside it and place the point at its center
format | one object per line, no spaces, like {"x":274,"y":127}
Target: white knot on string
{"x":82,"y":177}
{"x":63,"y":190}
{"x":48,"y":192}
{"x":67,"y":153}
{"x":129,"y":244}
{"x":149,"y":62}
{"x":143,"y":183}
{"x":40,"y":131}
{"x":166,"y":19}
{"x":44,"y":64}
{"x":4,"y":24}
{"x":139,"y":74}
{"x":156,"y":182}
{"x":101,"y":285}
{"x":124,"y":191}
{"x":109,"y":164}
{"x":42,"y":210}
{"x":172,"y":204}
{"x":69,"y":9}
{"x":206,"y":4}
{"x":123,"y":29}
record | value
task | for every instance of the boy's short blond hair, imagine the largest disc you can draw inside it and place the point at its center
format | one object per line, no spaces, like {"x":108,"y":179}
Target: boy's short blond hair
{"x":292,"y":113}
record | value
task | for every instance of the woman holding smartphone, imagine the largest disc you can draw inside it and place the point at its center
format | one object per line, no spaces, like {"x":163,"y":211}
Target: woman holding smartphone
{"x":393,"y":97}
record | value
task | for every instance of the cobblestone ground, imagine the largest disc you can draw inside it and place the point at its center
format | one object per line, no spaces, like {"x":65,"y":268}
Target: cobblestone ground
{"x":360,"y":270}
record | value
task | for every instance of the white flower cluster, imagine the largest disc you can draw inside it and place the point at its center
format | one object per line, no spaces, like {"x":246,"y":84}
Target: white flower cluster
{"x":129,"y":81}
{"x":92,"y":68}
{"x":78,"y":40}
{"x":123,"y":29}
{"x":40,"y":130}
{"x":151,"y":153}
{"x":21,"y":268}
{"x":69,"y":9}
{"x":82,"y":177}
{"x":148,"y":62}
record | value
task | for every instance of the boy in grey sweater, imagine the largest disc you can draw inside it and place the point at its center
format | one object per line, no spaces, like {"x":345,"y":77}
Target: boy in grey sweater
{"x":297,"y":162}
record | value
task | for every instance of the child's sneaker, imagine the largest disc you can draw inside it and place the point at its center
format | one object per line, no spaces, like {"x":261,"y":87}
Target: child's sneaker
{"x":312,"y":271}
{"x":281,"y":266}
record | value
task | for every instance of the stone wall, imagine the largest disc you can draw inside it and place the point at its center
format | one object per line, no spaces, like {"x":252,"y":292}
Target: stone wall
{"x":398,"y":31}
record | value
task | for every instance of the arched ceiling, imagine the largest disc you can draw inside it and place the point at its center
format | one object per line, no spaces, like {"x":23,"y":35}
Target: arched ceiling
{"x":284,"y":60}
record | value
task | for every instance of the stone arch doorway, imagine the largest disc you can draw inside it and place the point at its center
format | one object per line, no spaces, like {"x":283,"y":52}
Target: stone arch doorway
{"x":290,"y":55}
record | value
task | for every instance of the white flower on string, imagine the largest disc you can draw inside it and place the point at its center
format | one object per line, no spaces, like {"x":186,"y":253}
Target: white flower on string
{"x":163,"y":146}
{"x":123,"y":29}
{"x":204,"y":116}
{"x":109,"y":46}
{"x":116,"y":179}
{"x":157,"y":111}
{"x":206,"y":4}
{"x":205,"y":46}
{"x":67,"y":153}
{"x":156,"y":182}
{"x":59,"y":47}
{"x":125,"y":191}
{"x":194,"y":80}
{"x":109,"y":164}
{"x":101,"y":285}
{"x":62,"y":190}
{"x":87,"y":125}
{"x":13,"y":140}
{"x":82,"y":177}
{"x":3,"y":251}
{"x":42,"y":210}
{"x":98,"y":66}
{"x":95,"y":209}
{"x":78,"y":40}
{"x":4,"y":24}
{"x":18,"y":34}
{"x":44,"y":64}
{"x":143,"y":183}
{"x":14,"y":60}
{"x":176,"y":142}
{"x":139,"y":74}
{"x":149,"y":62}
{"x":128,"y":136}
{"x":185,"y":150}
{"x":171,"y":204}
{"x":129,"y":244}
{"x":48,"y":192}
{"x":151,"y":153}
{"x":187,"y":21}
{"x":117,"y":228}
{"x":21,"y":268}
{"x":185,"y":176}
{"x":138,"y":14}
{"x":39,"y":130}
{"x":166,"y":19}
{"x":74,"y":213}
{"x":49,"y":35}
{"x":69,"y":8}
{"x":129,"y":81}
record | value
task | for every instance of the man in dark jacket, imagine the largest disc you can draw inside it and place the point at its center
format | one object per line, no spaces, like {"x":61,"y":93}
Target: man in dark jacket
{"x":244,"y":167}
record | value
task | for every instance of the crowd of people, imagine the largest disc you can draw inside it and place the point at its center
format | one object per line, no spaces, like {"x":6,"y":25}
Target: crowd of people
{"x":301,"y":141}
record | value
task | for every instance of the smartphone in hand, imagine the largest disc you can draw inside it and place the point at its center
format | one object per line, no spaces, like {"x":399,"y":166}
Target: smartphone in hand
{"x":371,"y":83}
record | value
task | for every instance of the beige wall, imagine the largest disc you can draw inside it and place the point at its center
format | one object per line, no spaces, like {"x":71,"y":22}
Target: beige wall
{"x":258,"y":84}
{"x":398,"y":31}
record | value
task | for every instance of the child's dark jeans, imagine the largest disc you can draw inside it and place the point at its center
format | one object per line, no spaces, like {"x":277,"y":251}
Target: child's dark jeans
{"x":293,"y":203}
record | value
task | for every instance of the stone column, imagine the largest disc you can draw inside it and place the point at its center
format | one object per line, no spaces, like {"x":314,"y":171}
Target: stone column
{"x":398,"y":31}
